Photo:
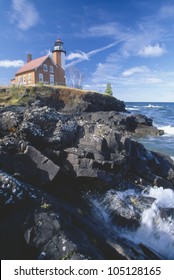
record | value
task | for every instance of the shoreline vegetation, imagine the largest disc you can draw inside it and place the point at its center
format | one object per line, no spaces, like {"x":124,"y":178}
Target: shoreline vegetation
{"x":15,"y":95}
{"x":62,"y":150}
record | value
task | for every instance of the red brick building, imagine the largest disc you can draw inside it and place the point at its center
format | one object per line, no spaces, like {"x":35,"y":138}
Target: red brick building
{"x":48,"y":69}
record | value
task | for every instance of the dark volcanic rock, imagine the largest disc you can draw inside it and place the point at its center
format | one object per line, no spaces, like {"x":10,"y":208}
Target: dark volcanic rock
{"x":138,"y":125}
{"x":58,"y":239}
{"x":44,"y":169}
{"x":49,"y":228}
{"x":11,"y":191}
{"x":125,"y":209}
{"x":31,"y":166}
{"x":70,"y":156}
{"x":9,"y":121}
{"x":94,"y":102}
{"x":72,"y":101}
{"x":45,"y":126}
{"x":97,"y":148}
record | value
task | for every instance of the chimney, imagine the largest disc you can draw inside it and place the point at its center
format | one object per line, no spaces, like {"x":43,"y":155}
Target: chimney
{"x":29,"y":57}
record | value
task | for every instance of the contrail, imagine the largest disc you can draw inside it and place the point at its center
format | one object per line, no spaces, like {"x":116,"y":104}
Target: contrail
{"x":91,"y":53}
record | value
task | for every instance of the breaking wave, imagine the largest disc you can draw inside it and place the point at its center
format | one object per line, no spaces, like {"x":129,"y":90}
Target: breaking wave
{"x":168,"y":129}
{"x":156,"y":229}
{"x":153,"y":106}
{"x":157,"y":224}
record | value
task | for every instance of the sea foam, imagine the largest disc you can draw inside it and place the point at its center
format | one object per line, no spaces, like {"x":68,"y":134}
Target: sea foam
{"x":156,"y":231}
{"x":132,"y":109}
{"x":168,"y":129}
{"x":153,"y":106}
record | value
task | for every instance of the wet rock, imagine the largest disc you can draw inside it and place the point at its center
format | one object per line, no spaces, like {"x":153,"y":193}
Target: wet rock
{"x":11,"y":191}
{"x":167,"y":214}
{"x":143,"y":131}
{"x":57,"y":239}
{"x":161,"y":182}
{"x":163,"y":166}
{"x":143,"y":120}
{"x":124,"y":209}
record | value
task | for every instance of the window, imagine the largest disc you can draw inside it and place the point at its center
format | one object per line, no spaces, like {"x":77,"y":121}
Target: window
{"x":24,"y":80}
{"x":51,"y":79}
{"x":19,"y":80}
{"x":29,"y":78}
{"x":51,"y":69}
{"x":45,"y":67}
{"x":40,"y":77}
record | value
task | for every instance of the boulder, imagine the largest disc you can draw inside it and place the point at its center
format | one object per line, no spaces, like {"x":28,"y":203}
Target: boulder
{"x":9,"y":122}
{"x":123,"y":208}
{"x":35,"y":167}
{"x":46,"y":127}
{"x":31,"y":165}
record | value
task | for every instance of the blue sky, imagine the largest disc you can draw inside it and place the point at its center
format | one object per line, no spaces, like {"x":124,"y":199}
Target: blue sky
{"x":128,"y":43}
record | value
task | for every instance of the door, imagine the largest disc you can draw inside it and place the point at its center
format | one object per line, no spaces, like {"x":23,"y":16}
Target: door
{"x":51,"y":79}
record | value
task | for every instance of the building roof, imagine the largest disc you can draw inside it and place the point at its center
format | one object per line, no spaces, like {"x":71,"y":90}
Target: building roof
{"x":33,"y":64}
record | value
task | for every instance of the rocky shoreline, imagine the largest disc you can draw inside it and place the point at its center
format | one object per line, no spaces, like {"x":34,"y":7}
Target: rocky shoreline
{"x":55,"y":158}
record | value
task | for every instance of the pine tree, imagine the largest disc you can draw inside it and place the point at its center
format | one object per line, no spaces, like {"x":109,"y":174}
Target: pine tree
{"x":108,"y":89}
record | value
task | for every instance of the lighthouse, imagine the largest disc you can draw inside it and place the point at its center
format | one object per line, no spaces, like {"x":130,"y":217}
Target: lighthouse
{"x":46,"y":69}
{"x":59,"y":54}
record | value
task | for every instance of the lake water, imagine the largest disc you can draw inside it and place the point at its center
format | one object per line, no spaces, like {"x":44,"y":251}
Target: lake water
{"x":162,"y":115}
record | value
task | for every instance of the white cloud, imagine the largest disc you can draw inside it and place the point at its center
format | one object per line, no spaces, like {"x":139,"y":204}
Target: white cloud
{"x":79,"y":55}
{"x":11,"y":63}
{"x":135,"y":70}
{"x":141,"y":41}
{"x":24,"y":14}
{"x":152,"y":51}
{"x":166,"y":12}
{"x":134,"y":39}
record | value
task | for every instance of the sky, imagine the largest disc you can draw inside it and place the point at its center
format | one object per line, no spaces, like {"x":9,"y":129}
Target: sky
{"x":128,"y":43}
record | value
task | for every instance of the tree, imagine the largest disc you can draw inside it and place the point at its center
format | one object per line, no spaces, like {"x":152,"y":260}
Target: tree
{"x":75,"y":76}
{"x":108,"y":89}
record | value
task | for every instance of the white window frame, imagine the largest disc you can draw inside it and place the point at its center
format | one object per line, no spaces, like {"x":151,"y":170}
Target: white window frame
{"x":41,"y":77}
{"x":45,"y":67}
{"x":51,"y":69}
{"x":19,"y":79}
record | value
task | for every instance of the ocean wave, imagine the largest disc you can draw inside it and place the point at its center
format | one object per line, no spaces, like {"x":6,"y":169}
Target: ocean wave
{"x":152,"y":106}
{"x":168,"y":129}
{"x":132,"y":109}
{"x":155,"y":231}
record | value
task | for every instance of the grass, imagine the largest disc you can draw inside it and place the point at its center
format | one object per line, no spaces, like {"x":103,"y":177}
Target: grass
{"x":16,"y":95}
